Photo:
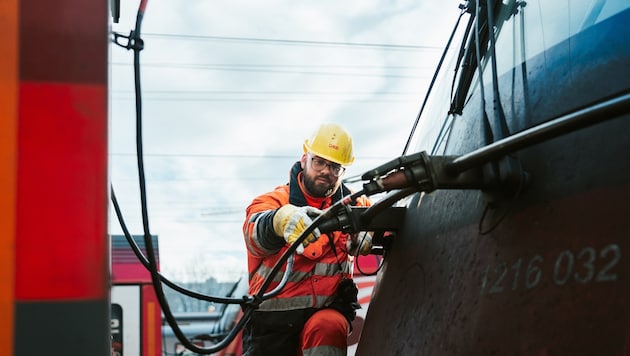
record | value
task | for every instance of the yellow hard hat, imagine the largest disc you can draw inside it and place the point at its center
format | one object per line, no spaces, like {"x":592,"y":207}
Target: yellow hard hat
{"x":331,"y":142}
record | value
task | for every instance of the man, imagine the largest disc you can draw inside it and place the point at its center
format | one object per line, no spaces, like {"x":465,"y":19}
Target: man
{"x":313,"y":312}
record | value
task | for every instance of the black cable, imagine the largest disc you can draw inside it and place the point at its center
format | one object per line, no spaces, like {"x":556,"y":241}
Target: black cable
{"x":318,"y":220}
{"x":249,"y":304}
{"x":496,"y":96}
{"x":135,"y":43}
{"x":591,"y":114}
{"x":145,"y":262}
{"x":433,"y":80}
{"x":460,"y":57}
{"x":379,"y":262}
{"x":388,"y":200}
{"x":155,"y":277}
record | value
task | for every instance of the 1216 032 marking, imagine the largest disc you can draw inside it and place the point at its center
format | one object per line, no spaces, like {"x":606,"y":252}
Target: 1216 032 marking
{"x":588,"y":265}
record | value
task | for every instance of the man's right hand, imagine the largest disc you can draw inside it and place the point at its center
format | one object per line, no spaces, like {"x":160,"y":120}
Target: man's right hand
{"x":290,"y":221}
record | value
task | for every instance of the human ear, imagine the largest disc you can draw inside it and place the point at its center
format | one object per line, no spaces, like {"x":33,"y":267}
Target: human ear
{"x":303,"y":161}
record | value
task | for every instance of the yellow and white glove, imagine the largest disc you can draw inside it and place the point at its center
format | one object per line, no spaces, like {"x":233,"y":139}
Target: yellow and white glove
{"x":360,"y":243}
{"x":290,"y":221}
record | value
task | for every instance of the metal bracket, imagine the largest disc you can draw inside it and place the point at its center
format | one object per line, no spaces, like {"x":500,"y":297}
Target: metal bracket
{"x":133,"y":42}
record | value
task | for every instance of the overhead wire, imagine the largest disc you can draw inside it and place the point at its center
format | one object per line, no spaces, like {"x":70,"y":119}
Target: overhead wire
{"x":433,"y":81}
{"x":384,"y":71}
{"x":292,"y":42}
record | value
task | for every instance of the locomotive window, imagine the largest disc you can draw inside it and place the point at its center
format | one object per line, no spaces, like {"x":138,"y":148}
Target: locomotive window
{"x":547,"y":23}
{"x":536,"y":28}
{"x":525,"y":29}
{"x":603,"y":9}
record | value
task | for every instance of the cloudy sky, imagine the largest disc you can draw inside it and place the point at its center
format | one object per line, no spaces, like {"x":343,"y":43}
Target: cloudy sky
{"x":232,"y":88}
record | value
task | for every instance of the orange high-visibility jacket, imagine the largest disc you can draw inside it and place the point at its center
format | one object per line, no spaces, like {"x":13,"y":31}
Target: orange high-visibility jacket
{"x":317,"y":272}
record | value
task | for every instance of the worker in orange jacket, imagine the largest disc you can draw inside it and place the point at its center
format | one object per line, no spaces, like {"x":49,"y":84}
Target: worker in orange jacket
{"x":312,"y":314}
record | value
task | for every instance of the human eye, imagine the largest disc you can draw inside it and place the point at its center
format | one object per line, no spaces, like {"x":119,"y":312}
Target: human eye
{"x":319,"y":162}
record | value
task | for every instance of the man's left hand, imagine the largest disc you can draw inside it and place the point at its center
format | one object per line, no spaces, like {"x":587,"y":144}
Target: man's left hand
{"x":360,"y":243}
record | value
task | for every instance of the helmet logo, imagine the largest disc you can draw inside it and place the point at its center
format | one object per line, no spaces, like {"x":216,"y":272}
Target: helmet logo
{"x":334,"y":147}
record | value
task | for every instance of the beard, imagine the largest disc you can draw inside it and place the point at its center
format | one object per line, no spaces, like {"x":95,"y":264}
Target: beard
{"x":317,"y":188}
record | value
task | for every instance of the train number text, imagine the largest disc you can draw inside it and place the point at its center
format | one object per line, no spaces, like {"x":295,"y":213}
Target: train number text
{"x":584,"y":266}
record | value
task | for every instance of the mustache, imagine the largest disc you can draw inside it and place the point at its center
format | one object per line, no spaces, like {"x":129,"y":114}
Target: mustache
{"x":324,"y":177}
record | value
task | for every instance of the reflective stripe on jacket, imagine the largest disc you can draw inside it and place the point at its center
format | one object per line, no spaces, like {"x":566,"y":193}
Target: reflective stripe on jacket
{"x":316,"y":273}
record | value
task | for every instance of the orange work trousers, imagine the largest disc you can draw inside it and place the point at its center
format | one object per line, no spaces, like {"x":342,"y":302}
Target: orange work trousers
{"x":303,"y":332}
{"x":325,"y":333}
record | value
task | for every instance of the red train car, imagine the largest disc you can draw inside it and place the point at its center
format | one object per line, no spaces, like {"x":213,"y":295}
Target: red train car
{"x":135,"y":315}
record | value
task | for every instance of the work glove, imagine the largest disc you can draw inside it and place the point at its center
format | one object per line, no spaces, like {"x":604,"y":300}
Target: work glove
{"x":360,"y":243}
{"x":290,"y":221}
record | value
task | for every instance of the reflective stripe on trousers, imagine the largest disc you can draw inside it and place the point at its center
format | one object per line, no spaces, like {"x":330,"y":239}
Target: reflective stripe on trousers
{"x":325,"y":334}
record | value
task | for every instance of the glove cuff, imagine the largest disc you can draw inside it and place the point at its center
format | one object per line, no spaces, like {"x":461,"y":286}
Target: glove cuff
{"x":281,"y":217}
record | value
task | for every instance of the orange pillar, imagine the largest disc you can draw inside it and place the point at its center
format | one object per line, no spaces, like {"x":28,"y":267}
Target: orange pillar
{"x":8,"y":149}
{"x":61,"y":293}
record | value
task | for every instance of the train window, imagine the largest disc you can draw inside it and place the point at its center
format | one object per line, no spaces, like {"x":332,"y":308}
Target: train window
{"x":539,"y":25}
{"x":525,"y":29}
{"x":602,"y":9}
{"x":529,"y":29}
{"x":535,"y":27}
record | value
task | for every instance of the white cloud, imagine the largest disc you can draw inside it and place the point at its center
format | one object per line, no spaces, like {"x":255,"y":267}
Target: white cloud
{"x":224,"y":119}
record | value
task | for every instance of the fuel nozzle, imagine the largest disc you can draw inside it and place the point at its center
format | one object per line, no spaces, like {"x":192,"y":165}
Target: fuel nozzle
{"x":340,"y":220}
{"x":352,"y":219}
{"x":400,"y":173}
{"x":420,"y":171}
